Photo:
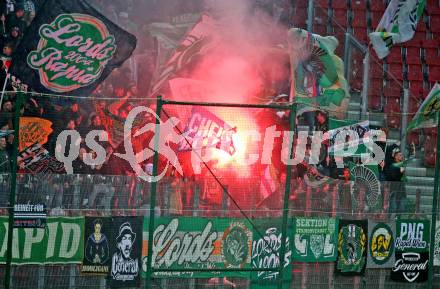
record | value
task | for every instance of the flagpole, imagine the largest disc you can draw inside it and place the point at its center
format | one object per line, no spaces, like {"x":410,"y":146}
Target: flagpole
{"x":292,"y":126}
{"x":13,"y":189}
{"x":434,"y":206}
{"x":4,"y":88}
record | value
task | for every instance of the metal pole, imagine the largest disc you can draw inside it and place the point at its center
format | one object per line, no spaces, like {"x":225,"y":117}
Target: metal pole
{"x":347,"y":52}
{"x":404,"y":119}
{"x":365,"y":83}
{"x":434,"y":207}
{"x":13,"y":188}
{"x":310,"y":10}
{"x":292,"y":120}
{"x":153,"y":197}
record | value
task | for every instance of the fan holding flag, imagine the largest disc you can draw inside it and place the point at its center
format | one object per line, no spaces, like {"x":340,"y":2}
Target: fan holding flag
{"x":6,"y":60}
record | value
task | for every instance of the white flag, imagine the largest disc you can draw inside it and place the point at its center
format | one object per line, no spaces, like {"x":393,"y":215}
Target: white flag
{"x":398,"y":24}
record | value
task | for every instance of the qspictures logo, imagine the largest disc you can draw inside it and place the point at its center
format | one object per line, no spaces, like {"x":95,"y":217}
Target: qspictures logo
{"x":72,"y":52}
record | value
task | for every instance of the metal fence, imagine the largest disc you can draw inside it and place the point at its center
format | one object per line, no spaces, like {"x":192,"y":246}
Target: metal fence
{"x":240,"y":187}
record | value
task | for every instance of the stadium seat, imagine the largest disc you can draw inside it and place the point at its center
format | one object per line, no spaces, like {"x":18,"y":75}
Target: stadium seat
{"x":393,"y":120}
{"x":361,"y":34}
{"x":320,"y":29}
{"x":395,"y":55}
{"x":375,"y":19}
{"x":300,"y":18}
{"x":321,"y":3}
{"x":413,"y":55}
{"x":395,"y":71}
{"x":433,"y":7}
{"x":359,"y":19}
{"x":413,"y":137}
{"x":320,"y":16}
{"x":374,"y":102}
{"x":339,"y":4}
{"x":415,"y":73}
{"x":430,"y":132}
{"x":377,"y":6}
{"x":434,"y":23}
{"x":392,"y":91}
{"x":419,"y":36}
{"x":430,"y":43}
{"x":416,"y":89}
{"x":376,"y":87}
{"x":376,"y":70}
{"x":432,"y":56}
{"x":434,"y":73}
{"x":301,"y":4}
{"x":340,"y":17}
{"x":359,"y":5}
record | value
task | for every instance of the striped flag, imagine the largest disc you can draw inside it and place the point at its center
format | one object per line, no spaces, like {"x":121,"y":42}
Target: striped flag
{"x":269,"y":182}
{"x":398,"y":25}
{"x":195,"y":43}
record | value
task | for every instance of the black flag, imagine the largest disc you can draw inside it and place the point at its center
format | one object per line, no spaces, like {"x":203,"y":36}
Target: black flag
{"x":69,"y":49}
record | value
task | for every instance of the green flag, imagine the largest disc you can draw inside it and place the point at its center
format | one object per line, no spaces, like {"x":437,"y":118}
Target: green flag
{"x":315,"y":239}
{"x":366,"y":185}
{"x":318,"y":73}
{"x":426,"y":116}
{"x":339,"y":126}
{"x":61,"y":242}
{"x":398,"y":24}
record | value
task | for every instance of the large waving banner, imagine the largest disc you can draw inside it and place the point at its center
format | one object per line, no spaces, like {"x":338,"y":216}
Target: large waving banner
{"x":206,"y":130}
{"x":315,"y":239}
{"x":352,"y":247}
{"x":216,"y":243}
{"x":34,"y":130}
{"x":381,"y":245}
{"x":69,"y":49}
{"x":411,"y":251}
{"x":61,"y":242}
{"x":266,"y":248}
{"x":37,"y":160}
{"x":398,"y":25}
{"x":318,"y":73}
{"x":426,"y":115}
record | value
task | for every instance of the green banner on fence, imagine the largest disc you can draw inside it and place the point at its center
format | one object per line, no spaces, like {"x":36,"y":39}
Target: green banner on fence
{"x":61,"y":242}
{"x":266,"y":254}
{"x":315,"y":239}
{"x":199,"y":243}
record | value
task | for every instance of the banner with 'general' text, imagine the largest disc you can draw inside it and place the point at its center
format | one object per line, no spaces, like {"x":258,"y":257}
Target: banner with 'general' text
{"x":411,"y":251}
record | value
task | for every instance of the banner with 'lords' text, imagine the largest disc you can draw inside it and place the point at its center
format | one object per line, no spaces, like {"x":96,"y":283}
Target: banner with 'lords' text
{"x":69,"y":49}
{"x":199,"y":243}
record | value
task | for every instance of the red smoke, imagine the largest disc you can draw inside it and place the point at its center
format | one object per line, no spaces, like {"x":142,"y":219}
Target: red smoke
{"x":250,"y":55}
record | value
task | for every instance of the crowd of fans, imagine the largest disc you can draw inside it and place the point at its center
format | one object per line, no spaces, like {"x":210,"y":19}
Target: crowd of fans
{"x":112,"y":185}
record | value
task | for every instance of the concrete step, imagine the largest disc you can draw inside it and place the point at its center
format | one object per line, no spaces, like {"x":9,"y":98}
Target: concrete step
{"x":424,"y":190}
{"x":376,"y":117}
{"x":354,"y":106}
{"x":425,"y":181}
{"x":419,"y":171}
{"x":353,"y":115}
{"x":415,"y":162}
{"x":416,"y":171}
{"x":425,"y":202}
{"x":393,"y":134}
